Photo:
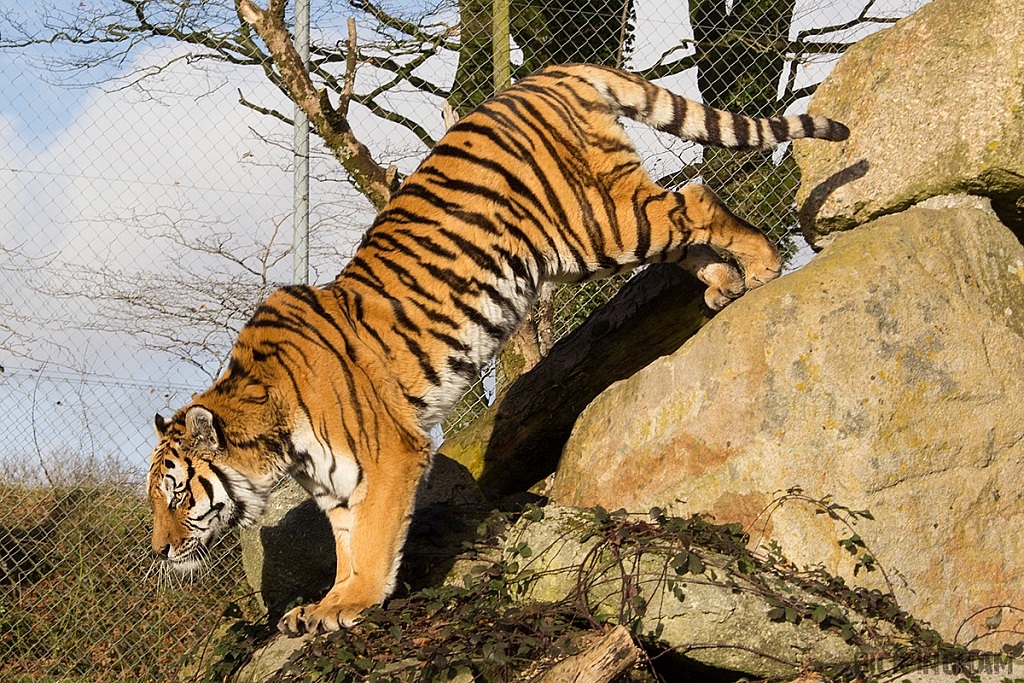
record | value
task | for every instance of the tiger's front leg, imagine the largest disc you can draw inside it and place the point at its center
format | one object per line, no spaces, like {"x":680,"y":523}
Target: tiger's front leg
{"x":369,"y":535}
{"x":338,"y":609}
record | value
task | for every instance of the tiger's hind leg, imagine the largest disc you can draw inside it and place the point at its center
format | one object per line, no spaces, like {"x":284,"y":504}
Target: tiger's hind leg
{"x":705,"y":219}
{"x":724,"y":280}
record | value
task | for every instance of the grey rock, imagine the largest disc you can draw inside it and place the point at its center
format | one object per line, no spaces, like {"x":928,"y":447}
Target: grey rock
{"x":887,"y":373}
{"x":935,"y":105}
{"x":713,"y":624}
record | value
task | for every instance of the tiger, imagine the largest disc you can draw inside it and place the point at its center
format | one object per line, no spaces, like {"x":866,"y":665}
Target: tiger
{"x":338,"y":386}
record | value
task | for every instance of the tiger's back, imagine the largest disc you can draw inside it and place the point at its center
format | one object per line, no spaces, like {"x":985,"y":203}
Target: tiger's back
{"x":542,"y":183}
{"x":338,"y":386}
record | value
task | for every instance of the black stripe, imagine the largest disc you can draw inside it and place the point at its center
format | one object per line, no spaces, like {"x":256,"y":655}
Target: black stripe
{"x":643,"y":227}
{"x":429,"y":373}
{"x":214,"y":509}
{"x":449,"y":340}
{"x":449,"y":277}
{"x":712,"y":120}
{"x":516,"y":265}
{"x":423,"y":243}
{"x":479,"y":319}
{"x":678,"y":116}
{"x":779,"y":129}
{"x":808,"y":125}
{"x":239,"y":507}
{"x":416,"y":401}
{"x":463,"y":368}
{"x":480,"y":257}
{"x":407,"y":278}
{"x":397,"y":214}
{"x":438,"y":317}
{"x":741,"y":129}
{"x":207,"y":487}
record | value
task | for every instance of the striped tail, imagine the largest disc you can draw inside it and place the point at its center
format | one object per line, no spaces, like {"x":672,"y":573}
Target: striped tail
{"x":640,"y":100}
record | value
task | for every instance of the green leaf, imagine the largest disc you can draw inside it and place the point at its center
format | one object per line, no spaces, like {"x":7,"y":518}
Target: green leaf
{"x":745,"y":565}
{"x":992,"y":623}
{"x":535,"y":515}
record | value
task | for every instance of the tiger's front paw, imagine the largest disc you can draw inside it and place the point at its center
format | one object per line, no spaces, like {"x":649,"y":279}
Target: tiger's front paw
{"x":323,"y":617}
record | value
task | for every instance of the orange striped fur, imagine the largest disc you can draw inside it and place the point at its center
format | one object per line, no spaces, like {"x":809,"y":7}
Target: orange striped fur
{"x":338,"y":386}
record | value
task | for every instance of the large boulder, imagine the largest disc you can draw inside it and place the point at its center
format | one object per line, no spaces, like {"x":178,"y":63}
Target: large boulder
{"x":935,"y":106}
{"x":886,"y":374}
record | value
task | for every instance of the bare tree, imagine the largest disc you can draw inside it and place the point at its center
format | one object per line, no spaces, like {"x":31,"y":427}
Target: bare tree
{"x":193,"y":309}
{"x":21,"y":338}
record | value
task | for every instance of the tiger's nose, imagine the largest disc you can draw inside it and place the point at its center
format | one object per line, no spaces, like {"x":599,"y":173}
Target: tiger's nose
{"x":163,"y":551}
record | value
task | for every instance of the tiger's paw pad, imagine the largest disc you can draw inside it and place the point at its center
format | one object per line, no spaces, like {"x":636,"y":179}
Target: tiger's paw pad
{"x":317,"y":619}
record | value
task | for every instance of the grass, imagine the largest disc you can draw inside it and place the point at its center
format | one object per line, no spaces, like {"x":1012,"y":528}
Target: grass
{"x":80,"y":596}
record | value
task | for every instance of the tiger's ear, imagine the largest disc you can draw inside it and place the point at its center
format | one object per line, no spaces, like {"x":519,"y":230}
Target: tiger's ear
{"x":199,"y":423}
{"x":160,"y":424}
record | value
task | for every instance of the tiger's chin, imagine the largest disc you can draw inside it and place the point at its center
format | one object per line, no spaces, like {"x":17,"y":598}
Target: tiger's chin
{"x":185,"y":565}
{"x":190,"y":558}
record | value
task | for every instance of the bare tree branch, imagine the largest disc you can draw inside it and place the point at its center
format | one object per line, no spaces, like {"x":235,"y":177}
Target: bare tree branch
{"x":263,"y":110}
{"x":350,"y":69}
{"x":861,"y":19}
{"x":329,"y":124}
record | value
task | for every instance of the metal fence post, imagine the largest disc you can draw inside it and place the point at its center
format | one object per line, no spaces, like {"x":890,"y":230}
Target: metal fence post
{"x":300,"y":237}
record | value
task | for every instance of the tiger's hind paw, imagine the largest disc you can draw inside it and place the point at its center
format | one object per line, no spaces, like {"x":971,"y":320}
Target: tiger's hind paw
{"x":716,"y":299}
{"x":317,"y":619}
{"x":724,"y":285}
{"x":755,"y":277}
{"x":763,"y":268}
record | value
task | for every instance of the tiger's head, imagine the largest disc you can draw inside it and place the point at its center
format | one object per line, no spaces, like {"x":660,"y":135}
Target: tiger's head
{"x":194,"y":493}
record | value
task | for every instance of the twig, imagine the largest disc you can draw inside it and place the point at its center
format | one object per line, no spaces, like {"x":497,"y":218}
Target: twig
{"x":350,"y":69}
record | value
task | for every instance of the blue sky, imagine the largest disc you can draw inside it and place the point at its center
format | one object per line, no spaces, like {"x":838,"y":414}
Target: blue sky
{"x":30,"y":93}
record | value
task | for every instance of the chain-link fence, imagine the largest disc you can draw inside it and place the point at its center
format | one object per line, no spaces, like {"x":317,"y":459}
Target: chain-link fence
{"x":145,"y":209}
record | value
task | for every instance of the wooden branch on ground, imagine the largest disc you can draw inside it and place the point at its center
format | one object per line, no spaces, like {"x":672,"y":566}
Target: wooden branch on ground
{"x":609,"y":657}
